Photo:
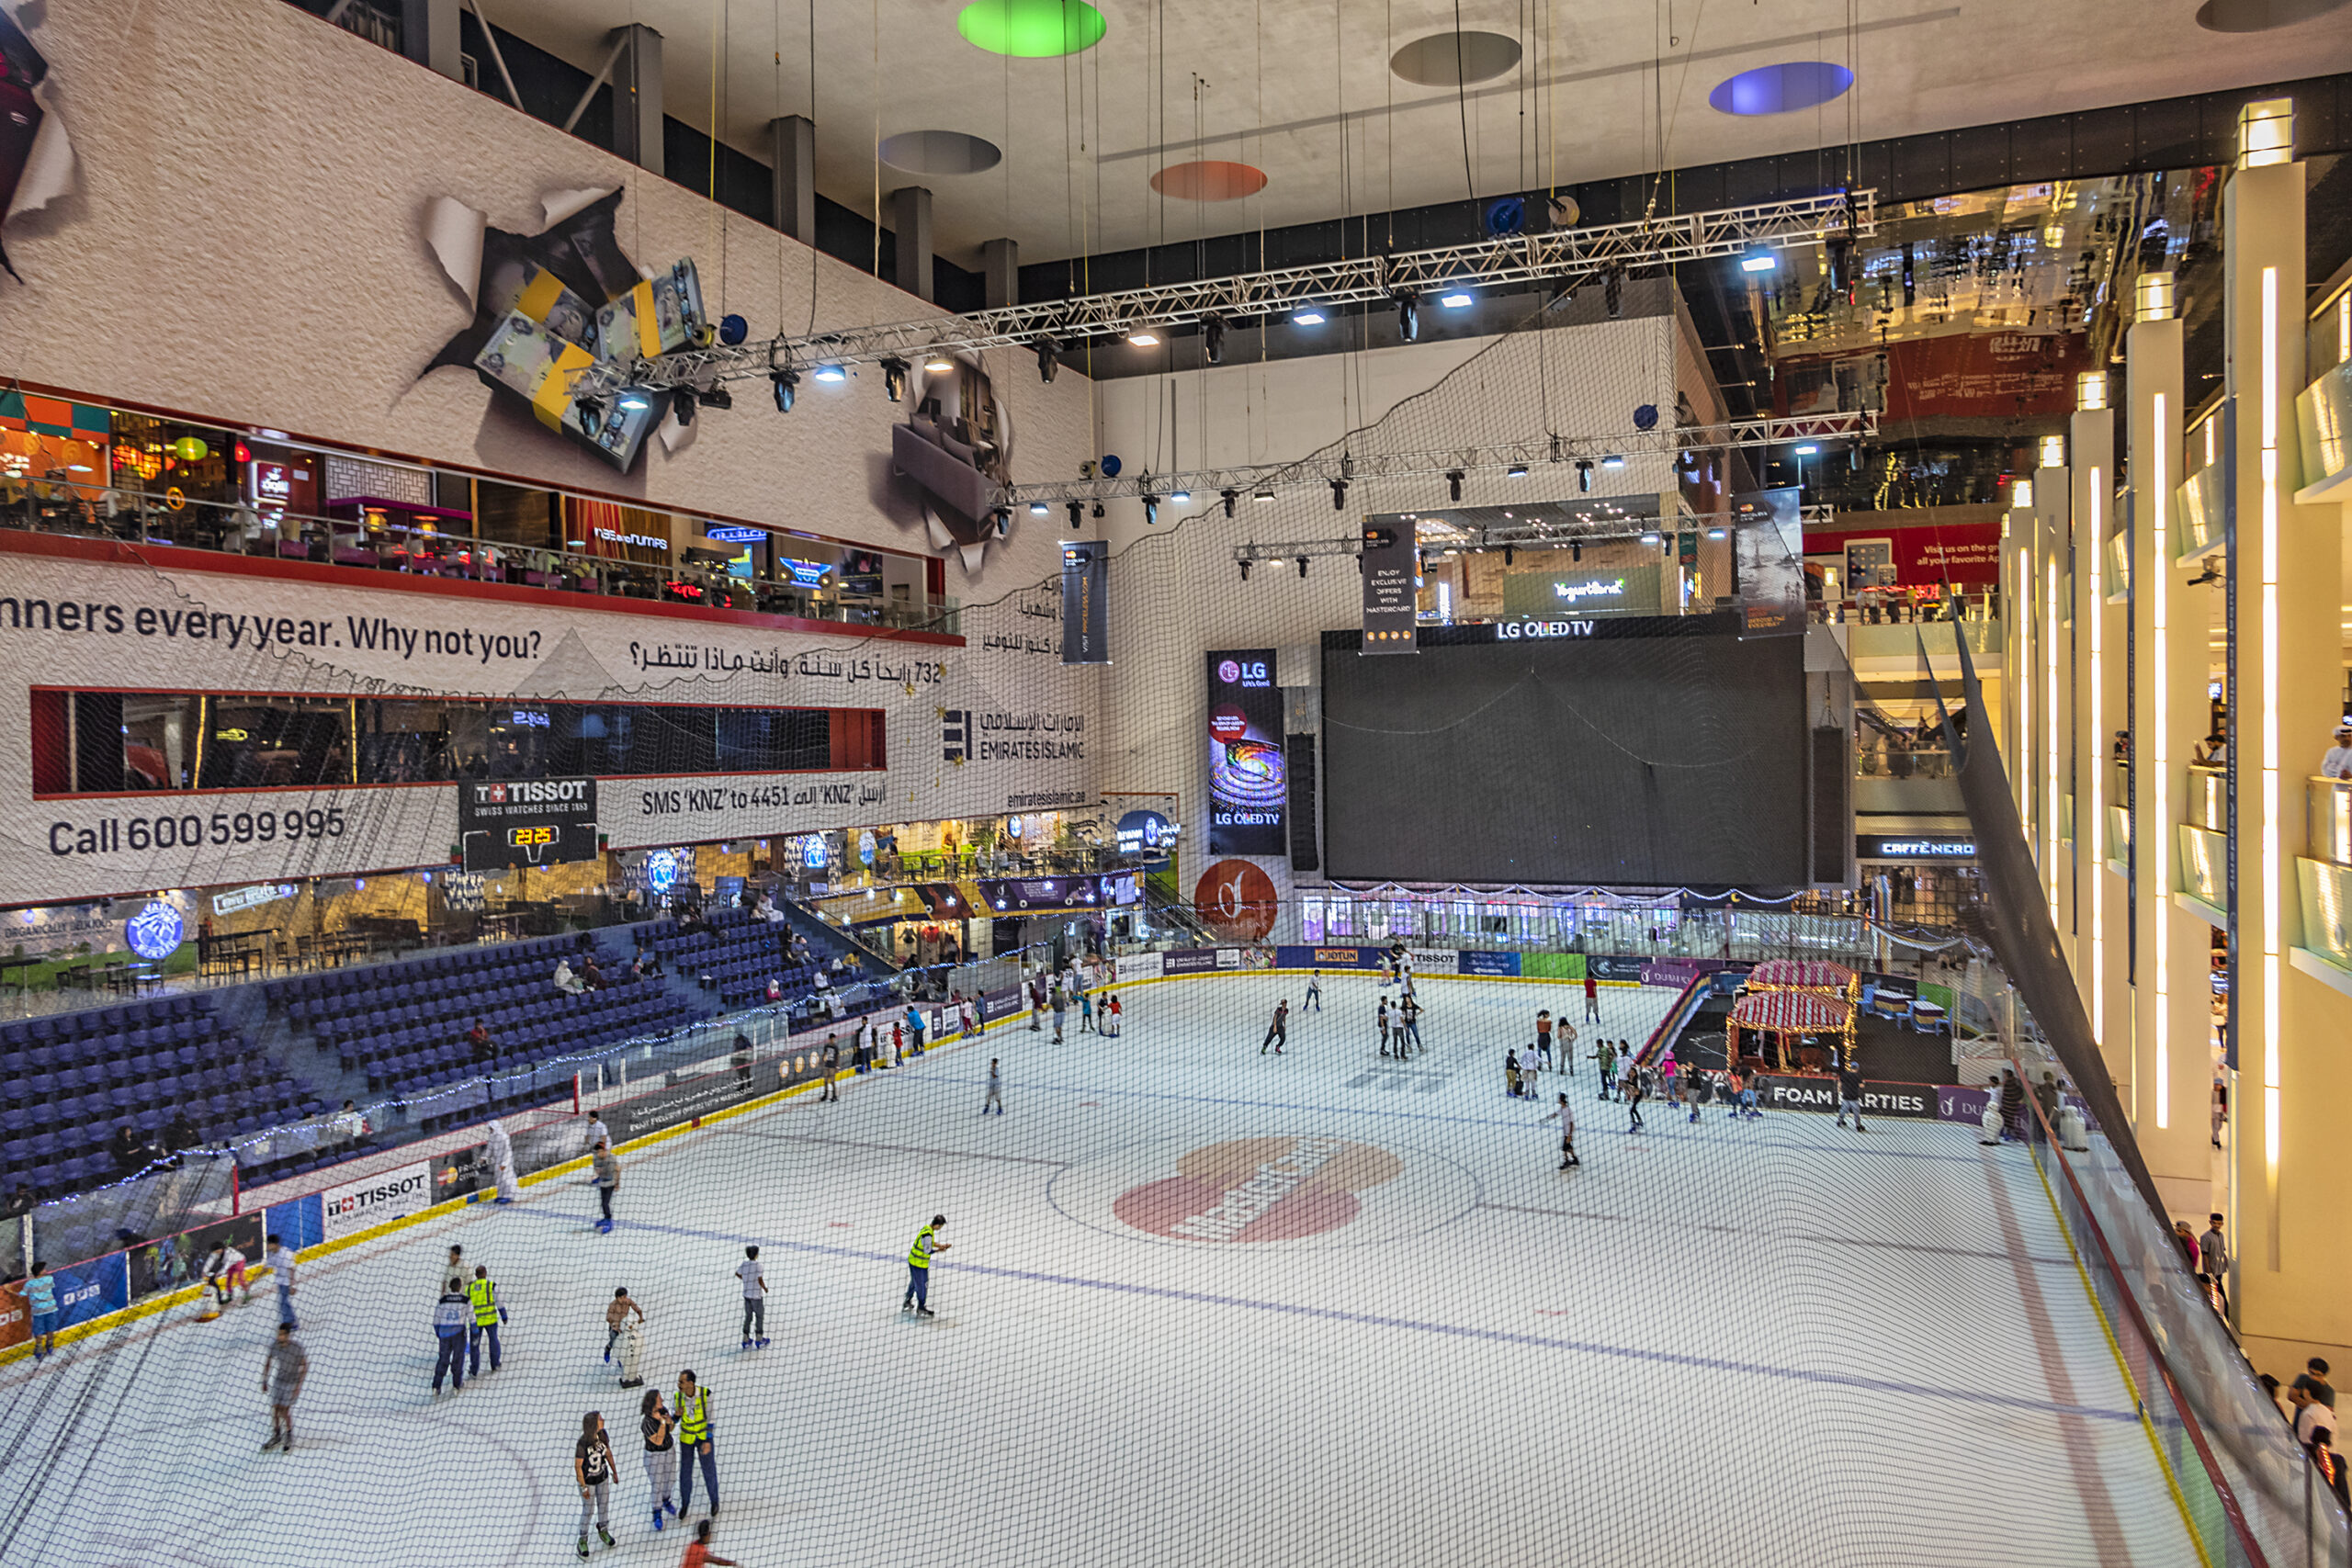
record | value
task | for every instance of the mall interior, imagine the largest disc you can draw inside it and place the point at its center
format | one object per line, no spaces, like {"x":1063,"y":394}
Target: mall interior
{"x":658,"y":559}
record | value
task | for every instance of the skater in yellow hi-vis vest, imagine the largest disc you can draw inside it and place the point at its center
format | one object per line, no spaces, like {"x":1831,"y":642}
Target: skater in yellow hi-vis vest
{"x":919,"y":1268}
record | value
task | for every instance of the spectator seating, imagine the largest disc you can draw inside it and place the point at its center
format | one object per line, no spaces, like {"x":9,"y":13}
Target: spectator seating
{"x":68,"y":1082}
{"x":739,"y":955}
{"x":404,"y":1024}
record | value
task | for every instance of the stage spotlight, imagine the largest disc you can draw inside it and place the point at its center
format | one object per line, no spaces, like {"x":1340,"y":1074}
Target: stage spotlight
{"x":635,"y":399}
{"x":1050,"y":357}
{"x":939,"y":365}
{"x":1453,"y":484}
{"x":1301,"y":566}
{"x":1808,"y":449}
{"x":1339,"y":495}
{"x":591,"y":412}
{"x":716,"y":396}
{"x":1142,"y":336}
{"x":1098,"y":511}
{"x":1510,"y":555}
{"x":1457,"y":300}
{"x":1612,"y":292}
{"x":1245,"y":570}
{"x":1077,"y":515}
{"x":1649,"y":538}
{"x":1003,"y":518}
{"x":1575,"y":550}
{"x":1516,"y":472}
{"x":1038,"y":508}
{"x":894,"y":378}
{"x":1230,"y":497}
{"x":1758,"y":260}
{"x":1213,"y":339}
{"x":1182,"y":497}
{"x":832,"y":373}
{"x":1309,"y":316}
{"x":785,"y":383}
{"x":1408,"y":317}
{"x":1150,"y":510}
{"x":1264,"y":495}
{"x":1715,"y":532}
{"x":1584,"y":473}
{"x":1612,"y":461}
{"x":682,"y":404}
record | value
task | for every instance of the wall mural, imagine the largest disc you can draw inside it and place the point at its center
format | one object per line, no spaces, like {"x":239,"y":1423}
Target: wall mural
{"x":35,"y":158}
{"x":549,"y":305}
{"x":956,"y":446}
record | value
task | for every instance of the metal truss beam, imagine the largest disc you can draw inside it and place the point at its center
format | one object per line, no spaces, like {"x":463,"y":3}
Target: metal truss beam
{"x":1554,"y":256}
{"x":1529,"y":454}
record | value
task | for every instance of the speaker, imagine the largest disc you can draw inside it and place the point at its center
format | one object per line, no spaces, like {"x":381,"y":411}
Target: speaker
{"x":1298,"y":754}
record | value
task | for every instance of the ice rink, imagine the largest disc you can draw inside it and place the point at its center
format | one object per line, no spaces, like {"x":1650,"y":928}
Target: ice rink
{"x":1761,"y":1342}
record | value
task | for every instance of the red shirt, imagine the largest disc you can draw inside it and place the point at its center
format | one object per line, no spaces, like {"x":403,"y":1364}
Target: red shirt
{"x":1590,"y":988}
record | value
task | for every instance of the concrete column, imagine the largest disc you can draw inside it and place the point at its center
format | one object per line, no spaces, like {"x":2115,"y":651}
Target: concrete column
{"x":792,"y":175}
{"x":1000,"y":266}
{"x":911,"y":221}
{"x":2100,"y":664}
{"x":2171,"y":1024}
{"x":2293,"y":1074}
{"x":2052,"y":749}
{"x":2016,"y":659}
{"x":429,"y":36}
{"x":636,"y":96}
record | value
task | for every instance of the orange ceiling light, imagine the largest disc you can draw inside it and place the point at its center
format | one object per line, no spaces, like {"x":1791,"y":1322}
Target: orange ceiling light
{"x":1213,"y":180}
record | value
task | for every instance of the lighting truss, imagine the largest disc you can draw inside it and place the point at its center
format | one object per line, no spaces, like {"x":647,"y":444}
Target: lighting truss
{"x":1554,"y":256}
{"x":1530,"y":535}
{"x":1528,"y":453}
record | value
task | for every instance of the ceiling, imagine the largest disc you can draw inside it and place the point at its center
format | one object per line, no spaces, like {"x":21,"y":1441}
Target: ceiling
{"x":1308,"y":96}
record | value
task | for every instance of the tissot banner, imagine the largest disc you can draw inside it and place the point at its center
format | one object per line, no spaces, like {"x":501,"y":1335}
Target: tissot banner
{"x":1390,"y":563}
{"x":1086,"y":599}
{"x":506,"y":822}
{"x":1247,"y":783}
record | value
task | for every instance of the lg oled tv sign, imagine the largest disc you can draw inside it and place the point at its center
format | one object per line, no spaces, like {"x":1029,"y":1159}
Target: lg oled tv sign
{"x":1248,"y":784}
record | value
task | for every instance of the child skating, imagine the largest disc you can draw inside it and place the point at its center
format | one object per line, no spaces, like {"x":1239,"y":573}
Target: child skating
{"x":1566,"y":1118}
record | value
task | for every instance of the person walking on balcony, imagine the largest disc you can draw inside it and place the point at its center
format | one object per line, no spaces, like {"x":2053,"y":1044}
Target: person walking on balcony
{"x":2337,"y":761}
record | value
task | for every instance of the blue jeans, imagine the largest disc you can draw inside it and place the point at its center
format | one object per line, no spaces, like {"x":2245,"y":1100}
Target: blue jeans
{"x":480,"y":1329}
{"x":694,"y":1452}
{"x":452,"y":1361}
{"x":917,"y":1285}
{"x":286,"y":1307}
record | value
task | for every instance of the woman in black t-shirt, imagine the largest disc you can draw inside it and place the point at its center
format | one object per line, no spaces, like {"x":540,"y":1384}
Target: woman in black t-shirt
{"x":592,"y":1465}
{"x":661,"y":1453}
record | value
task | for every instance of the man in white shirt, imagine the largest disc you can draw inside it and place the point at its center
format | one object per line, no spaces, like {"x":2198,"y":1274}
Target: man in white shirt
{"x":2337,"y":763}
{"x":281,"y":1264}
{"x":756,"y":1300}
{"x":2311,"y":1416}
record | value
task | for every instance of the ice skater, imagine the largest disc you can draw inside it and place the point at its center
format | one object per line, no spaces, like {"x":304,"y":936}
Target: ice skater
{"x":502,"y":1162}
{"x":1566,"y":1117}
{"x":592,"y":1466}
{"x":1592,"y":996}
{"x":1314,"y":998}
{"x":618,"y":1312}
{"x":693,"y":1430}
{"x":1567,"y":1032}
{"x":481,"y":1295}
{"x":831,"y":1065}
{"x":1112,"y":1014}
{"x":281,"y":1268}
{"x":283,"y":1372}
{"x":40,"y":1301}
{"x":660,"y":1454}
{"x":1085,"y":1010}
{"x":1636,"y":1087}
{"x":919,"y":1257}
{"x":1278,"y":1031}
{"x":608,"y":1181}
{"x":698,"y":1552}
{"x":1697,"y":1087}
{"x":1604,"y":1056}
{"x":1060,"y":1000}
{"x":1543,"y":1036}
{"x":1409,"y":1023}
{"x":1850,"y":1094}
{"x":224,"y":1270}
{"x":1511,"y":1073}
{"x":451,"y":1316}
{"x":756,"y":1300}
{"x":1037,"y":1001}
{"x":1381,"y":1018}
{"x":995,"y":1101}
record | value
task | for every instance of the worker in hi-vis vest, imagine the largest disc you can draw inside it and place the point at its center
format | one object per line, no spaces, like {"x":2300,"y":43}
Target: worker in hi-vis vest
{"x":488,"y":1315}
{"x":693,"y":1406}
{"x":919,"y":1256}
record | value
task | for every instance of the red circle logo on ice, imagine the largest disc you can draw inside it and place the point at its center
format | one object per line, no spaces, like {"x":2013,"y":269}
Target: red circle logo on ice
{"x":1228,"y":672}
{"x":1285,"y":1192}
{"x":1236,"y":898}
{"x":1227,"y":722}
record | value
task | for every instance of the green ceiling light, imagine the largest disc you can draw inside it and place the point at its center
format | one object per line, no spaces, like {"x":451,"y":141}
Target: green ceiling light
{"x":1031,"y":28}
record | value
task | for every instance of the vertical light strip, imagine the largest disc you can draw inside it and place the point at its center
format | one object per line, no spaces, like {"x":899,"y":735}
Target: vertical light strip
{"x":2049,"y":778}
{"x":2157,"y":858}
{"x":2023,"y":614}
{"x":2098,"y":761}
{"x":2267,"y":682}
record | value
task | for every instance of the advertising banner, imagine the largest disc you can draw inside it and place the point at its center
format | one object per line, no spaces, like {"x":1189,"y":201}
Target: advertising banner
{"x":1247,"y":782}
{"x":1768,"y":553}
{"x":16,"y":1318}
{"x":511,"y":822}
{"x":1326,"y":958}
{"x":1086,"y":602}
{"x":462,"y":1171}
{"x":1489,"y":963}
{"x":1613,"y":966}
{"x":1189,"y":961}
{"x":1968,"y":554}
{"x":373,"y":1200}
{"x":1391,"y":567}
{"x":174,"y":1261}
{"x":686,"y":1100}
{"x":1581,"y":590}
{"x":90,"y":1289}
{"x":1790,"y":1092}
{"x":1135,"y":966}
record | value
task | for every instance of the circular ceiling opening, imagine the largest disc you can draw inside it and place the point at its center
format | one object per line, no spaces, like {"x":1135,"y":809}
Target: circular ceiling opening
{"x":1031,"y":28}
{"x":939,"y":152}
{"x":1454,"y":60}
{"x":1210,"y":181}
{"x":2260,"y":15}
{"x":1777,"y":89}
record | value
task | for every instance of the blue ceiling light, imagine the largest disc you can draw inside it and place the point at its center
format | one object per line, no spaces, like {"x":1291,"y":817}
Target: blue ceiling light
{"x":1778,"y":89}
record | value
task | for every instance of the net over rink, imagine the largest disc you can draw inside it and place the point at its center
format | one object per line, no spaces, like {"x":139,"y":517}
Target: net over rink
{"x":1773,"y":1340}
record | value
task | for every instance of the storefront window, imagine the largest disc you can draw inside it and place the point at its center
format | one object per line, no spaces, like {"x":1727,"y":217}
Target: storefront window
{"x":1310,"y":920}
{"x":1340,"y":921}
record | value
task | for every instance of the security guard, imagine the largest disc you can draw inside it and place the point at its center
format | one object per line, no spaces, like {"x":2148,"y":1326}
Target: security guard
{"x":693,"y":1406}
{"x":488,"y":1315}
{"x":919,"y":1268}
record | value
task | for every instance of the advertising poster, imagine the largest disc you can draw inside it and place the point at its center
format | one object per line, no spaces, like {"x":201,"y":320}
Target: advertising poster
{"x":1767,"y":546}
{"x":1086,"y":600}
{"x":1247,"y":782}
{"x":1391,"y":567}
{"x":373,"y":1200}
{"x":527,"y":822}
{"x":90,"y":1289}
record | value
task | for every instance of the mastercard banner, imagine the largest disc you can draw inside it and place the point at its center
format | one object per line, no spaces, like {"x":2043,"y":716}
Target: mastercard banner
{"x":1249,"y":784}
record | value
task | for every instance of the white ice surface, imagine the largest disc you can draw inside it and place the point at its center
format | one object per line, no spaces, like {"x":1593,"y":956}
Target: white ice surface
{"x":1762,"y":1343}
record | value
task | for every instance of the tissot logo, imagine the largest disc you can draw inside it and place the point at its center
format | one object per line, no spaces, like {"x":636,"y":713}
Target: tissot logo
{"x":532,"y":792}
